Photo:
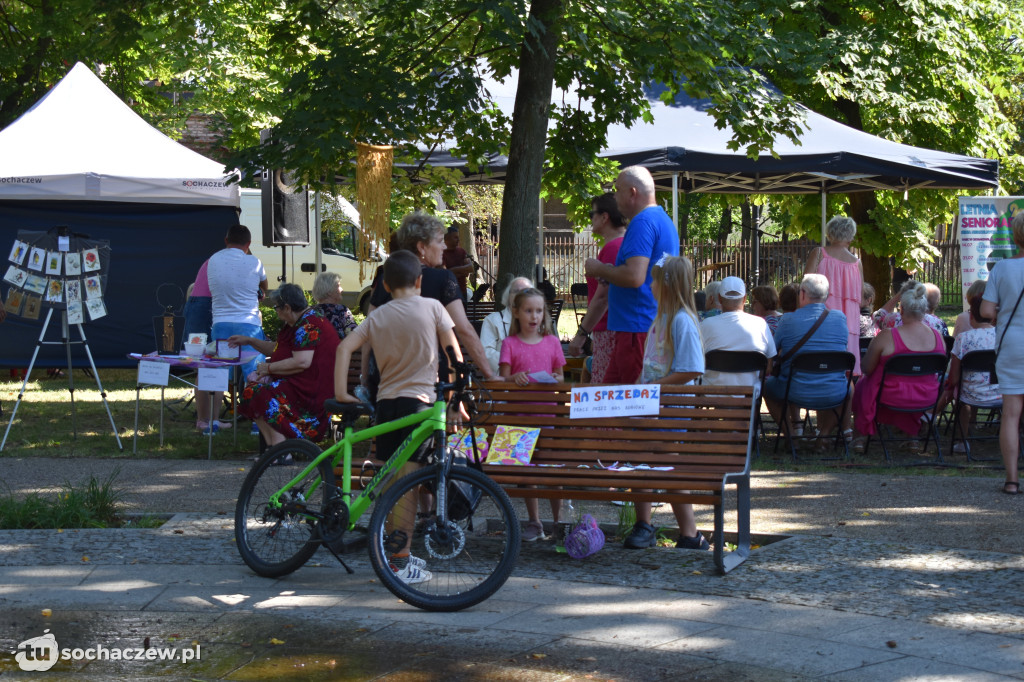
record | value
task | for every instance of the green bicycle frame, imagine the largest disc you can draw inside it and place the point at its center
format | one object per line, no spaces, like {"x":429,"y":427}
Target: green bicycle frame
{"x":429,"y":421}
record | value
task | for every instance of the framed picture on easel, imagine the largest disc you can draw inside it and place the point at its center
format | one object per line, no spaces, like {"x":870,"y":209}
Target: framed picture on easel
{"x":45,"y":276}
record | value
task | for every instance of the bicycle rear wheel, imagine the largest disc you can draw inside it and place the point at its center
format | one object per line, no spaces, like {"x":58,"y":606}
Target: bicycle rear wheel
{"x":469,"y":558}
{"x":276,"y":541}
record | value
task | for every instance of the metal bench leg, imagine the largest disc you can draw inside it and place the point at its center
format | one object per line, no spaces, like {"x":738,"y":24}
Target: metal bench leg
{"x":726,"y":562}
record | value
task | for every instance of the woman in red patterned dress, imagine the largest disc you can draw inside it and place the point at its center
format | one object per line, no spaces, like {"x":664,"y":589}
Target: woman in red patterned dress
{"x":285,"y":395}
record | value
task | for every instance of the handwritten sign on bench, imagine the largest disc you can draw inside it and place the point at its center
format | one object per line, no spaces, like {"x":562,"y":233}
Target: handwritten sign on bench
{"x":614,"y":401}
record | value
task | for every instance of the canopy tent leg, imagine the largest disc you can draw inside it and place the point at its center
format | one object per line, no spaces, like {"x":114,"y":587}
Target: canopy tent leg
{"x":675,"y":200}
{"x":824,"y":202}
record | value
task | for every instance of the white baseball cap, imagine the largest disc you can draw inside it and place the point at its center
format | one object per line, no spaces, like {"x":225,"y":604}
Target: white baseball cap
{"x":732,"y":288}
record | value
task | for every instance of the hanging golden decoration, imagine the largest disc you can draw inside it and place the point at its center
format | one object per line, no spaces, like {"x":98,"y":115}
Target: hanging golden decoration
{"x":373,"y":192}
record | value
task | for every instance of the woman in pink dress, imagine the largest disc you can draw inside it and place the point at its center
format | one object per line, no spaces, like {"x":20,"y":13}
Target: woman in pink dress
{"x":845,"y":277}
{"x":912,"y":337}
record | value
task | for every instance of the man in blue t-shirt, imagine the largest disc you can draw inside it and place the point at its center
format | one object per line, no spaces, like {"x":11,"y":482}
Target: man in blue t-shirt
{"x":631,"y":305}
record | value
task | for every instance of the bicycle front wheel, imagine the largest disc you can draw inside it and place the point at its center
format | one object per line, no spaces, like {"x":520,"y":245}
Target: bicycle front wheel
{"x":277,"y":540}
{"x":468,"y":558}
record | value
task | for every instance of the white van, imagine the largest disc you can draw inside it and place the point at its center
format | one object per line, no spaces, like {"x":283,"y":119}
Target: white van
{"x":336,"y":241}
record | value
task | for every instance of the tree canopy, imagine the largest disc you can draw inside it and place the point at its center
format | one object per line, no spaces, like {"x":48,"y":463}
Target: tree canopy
{"x":327,"y":74}
{"x":929,"y":73}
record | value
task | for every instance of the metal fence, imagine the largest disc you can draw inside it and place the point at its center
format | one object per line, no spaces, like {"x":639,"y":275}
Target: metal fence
{"x":778,"y":263}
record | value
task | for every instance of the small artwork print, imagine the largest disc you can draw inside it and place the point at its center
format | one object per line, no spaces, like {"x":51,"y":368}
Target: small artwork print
{"x":91,"y":260}
{"x":33,"y":304}
{"x":55,"y":291}
{"x":16,"y":276}
{"x":73,"y":263}
{"x":73,"y":290}
{"x":75,"y":315}
{"x":92,"y":288}
{"x":96,"y":308}
{"x":36,"y":259}
{"x":36,"y":284}
{"x":18,"y":252}
{"x":15,"y":297}
{"x":53,"y":262}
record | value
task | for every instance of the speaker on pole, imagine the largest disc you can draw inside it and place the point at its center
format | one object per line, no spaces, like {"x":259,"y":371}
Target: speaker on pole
{"x":285,"y":207}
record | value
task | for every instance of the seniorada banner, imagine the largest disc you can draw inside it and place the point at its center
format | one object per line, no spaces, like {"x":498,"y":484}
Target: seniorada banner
{"x":985,"y":237}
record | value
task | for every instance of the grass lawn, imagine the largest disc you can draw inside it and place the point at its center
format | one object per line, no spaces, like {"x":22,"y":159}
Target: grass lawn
{"x":43,"y":425}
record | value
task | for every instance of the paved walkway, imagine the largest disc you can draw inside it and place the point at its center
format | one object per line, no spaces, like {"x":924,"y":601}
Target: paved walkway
{"x":840,"y":598}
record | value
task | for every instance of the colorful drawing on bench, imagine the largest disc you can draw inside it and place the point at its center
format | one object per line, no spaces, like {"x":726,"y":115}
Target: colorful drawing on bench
{"x":512,"y":445}
{"x":461,"y":442}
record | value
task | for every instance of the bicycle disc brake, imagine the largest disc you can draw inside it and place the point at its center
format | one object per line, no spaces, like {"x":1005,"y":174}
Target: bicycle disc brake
{"x":445,"y":542}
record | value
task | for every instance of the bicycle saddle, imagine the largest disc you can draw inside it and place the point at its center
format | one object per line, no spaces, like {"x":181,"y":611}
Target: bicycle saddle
{"x":347,"y":411}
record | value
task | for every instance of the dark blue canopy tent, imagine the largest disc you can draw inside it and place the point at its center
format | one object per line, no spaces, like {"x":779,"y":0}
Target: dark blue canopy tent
{"x":682,"y":142}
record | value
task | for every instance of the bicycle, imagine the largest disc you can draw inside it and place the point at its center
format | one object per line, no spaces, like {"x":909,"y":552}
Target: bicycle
{"x":290,"y":505}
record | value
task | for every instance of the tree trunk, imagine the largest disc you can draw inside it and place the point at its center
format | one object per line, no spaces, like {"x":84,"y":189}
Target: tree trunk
{"x":877,"y":270}
{"x":520,"y":216}
{"x":747,"y":220}
{"x":724,"y":224}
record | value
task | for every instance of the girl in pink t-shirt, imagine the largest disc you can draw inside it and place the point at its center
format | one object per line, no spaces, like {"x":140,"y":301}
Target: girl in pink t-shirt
{"x":532,"y":349}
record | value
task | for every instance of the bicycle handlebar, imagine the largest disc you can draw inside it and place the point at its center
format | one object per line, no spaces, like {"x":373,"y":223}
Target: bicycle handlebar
{"x":463,"y":376}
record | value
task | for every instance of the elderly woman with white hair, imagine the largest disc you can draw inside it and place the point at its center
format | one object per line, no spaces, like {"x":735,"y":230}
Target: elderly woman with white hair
{"x":845,"y":276}
{"x":496,"y":326}
{"x":327,"y":294}
{"x":913,"y":336}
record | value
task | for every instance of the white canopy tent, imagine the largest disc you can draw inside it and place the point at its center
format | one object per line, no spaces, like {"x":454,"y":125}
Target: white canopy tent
{"x":81,"y":142}
{"x":81,"y":158}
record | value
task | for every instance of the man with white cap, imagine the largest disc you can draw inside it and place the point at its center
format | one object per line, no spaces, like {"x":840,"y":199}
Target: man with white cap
{"x":735,"y":330}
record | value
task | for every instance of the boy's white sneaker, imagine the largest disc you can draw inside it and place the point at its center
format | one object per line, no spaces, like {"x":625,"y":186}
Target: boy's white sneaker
{"x":410,"y":575}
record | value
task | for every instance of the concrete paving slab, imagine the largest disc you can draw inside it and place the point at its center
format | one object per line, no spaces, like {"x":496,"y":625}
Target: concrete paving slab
{"x":589,"y":623}
{"x":43,"y":576}
{"x":779,"y":651}
{"x":128,"y":595}
{"x":979,"y":650}
{"x":916,"y":669}
{"x":785,"y":618}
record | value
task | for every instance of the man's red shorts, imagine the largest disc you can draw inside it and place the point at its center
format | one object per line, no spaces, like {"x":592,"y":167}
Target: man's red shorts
{"x":627,"y":358}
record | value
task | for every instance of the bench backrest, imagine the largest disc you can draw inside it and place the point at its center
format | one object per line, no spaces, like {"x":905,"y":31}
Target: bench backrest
{"x":707,"y":428}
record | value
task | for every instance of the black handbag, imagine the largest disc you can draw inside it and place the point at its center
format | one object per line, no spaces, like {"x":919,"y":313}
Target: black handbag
{"x":777,"y":365}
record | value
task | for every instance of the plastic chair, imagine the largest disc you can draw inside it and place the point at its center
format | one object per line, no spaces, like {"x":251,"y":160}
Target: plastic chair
{"x":741,"y":362}
{"x":909,"y":365}
{"x":578,"y":290}
{"x":975,"y":361}
{"x":818,"y":365}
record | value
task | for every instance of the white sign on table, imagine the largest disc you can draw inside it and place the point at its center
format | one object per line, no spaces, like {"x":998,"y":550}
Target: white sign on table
{"x":615,"y":401}
{"x":213,"y":378}
{"x":154,"y":373}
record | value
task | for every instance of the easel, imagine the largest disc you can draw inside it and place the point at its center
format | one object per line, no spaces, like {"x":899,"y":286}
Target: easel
{"x":66,"y":341}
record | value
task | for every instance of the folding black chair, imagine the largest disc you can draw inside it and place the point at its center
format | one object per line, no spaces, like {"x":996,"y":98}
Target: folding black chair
{"x":865,"y":341}
{"x":909,"y":365}
{"x":975,"y":361}
{"x":578,"y":290}
{"x":949,"y":341}
{"x":741,"y":362}
{"x":817,"y":365}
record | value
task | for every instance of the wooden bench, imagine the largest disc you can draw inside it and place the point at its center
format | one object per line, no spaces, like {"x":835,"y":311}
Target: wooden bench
{"x":712,"y":453}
